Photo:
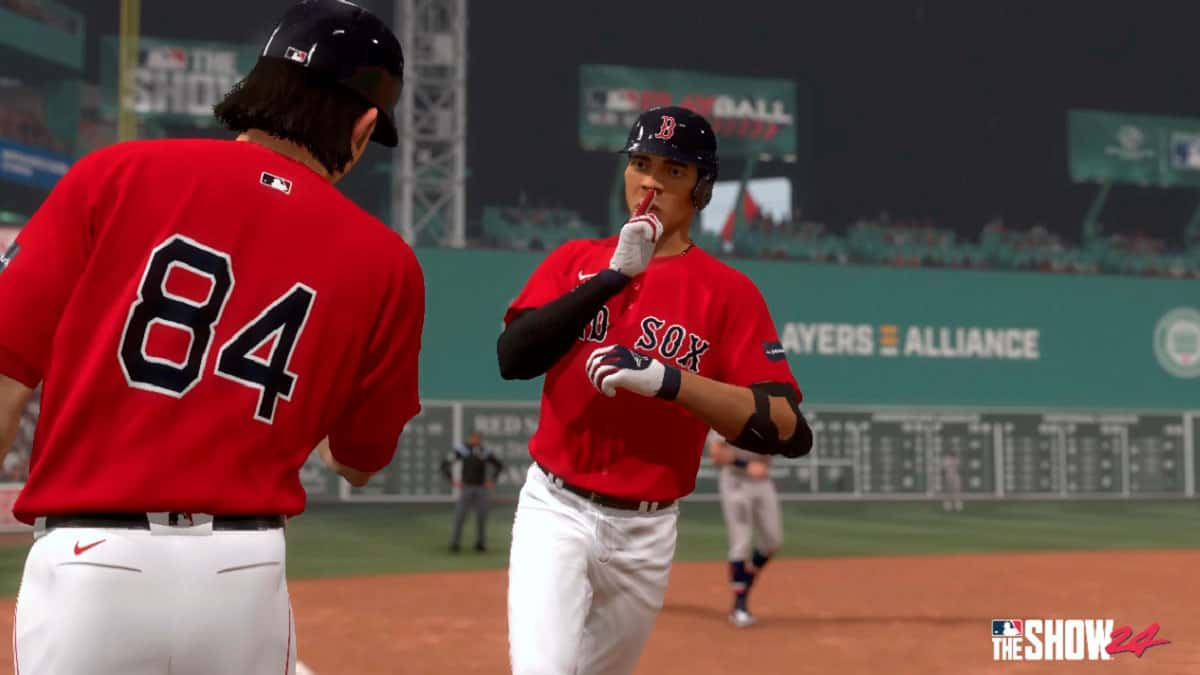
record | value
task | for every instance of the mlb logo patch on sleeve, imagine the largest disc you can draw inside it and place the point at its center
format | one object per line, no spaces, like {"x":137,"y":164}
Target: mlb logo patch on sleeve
{"x":293,"y":54}
{"x":774,"y":351}
{"x":275,"y":182}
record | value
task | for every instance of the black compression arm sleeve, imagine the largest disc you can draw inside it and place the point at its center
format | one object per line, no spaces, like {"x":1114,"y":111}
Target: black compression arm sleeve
{"x":536,"y":339}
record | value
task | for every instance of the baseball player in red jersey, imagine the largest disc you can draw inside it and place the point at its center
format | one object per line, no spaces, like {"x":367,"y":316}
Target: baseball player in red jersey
{"x":646,"y":341}
{"x":201,"y":314}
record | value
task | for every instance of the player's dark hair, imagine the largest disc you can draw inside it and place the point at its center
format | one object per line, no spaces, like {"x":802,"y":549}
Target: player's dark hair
{"x":294,"y":104}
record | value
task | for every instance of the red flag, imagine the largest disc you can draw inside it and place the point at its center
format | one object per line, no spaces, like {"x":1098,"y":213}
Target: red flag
{"x":750,"y":208}
{"x":750,"y":211}
{"x":727,"y":228}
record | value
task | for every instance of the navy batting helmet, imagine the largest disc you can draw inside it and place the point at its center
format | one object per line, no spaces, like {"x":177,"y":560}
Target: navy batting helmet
{"x":682,"y":135}
{"x":351,"y":46}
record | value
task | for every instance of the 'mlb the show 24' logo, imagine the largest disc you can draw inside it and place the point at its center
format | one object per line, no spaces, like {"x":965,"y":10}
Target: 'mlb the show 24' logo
{"x":1068,"y":639}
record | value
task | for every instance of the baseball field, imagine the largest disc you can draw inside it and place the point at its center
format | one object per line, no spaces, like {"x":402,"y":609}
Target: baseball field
{"x":869,"y":587}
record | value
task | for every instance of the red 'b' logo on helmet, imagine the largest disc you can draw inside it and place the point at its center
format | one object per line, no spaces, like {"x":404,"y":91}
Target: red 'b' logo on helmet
{"x":668,"y":128}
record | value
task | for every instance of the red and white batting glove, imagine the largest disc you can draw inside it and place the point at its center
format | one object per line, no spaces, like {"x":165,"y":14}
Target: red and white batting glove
{"x":635,"y":246}
{"x":617,"y":367}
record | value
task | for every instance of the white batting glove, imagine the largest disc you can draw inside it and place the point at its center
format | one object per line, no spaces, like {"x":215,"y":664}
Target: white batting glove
{"x":615,"y":366}
{"x":635,"y":246}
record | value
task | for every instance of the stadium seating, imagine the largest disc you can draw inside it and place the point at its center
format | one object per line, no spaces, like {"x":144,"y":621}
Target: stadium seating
{"x":528,"y":228}
{"x":873,"y":242}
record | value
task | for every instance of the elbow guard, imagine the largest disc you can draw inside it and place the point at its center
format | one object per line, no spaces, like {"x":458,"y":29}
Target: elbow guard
{"x":760,"y":433}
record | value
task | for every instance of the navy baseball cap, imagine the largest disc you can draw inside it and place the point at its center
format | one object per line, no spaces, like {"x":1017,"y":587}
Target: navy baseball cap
{"x":678,"y":133}
{"x":351,"y":46}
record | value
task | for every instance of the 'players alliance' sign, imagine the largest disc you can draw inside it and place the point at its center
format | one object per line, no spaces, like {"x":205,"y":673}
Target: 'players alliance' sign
{"x":915,"y":341}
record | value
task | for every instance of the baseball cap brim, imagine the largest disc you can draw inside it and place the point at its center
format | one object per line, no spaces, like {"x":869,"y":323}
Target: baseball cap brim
{"x":663,"y":149}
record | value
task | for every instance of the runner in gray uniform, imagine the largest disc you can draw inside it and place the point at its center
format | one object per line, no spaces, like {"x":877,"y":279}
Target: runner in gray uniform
{"x":952,"y":487}
{"x":750,"y":505}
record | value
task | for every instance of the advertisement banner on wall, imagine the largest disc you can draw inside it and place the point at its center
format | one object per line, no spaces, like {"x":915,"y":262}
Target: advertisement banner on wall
{"x":751,"y":116}
{"x":1147,"y":150}
{"x":31,"y":166}
{"x":865,"y":335}
{"x":178,"y":81}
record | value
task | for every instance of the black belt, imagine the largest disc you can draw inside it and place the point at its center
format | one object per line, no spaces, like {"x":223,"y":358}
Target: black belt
{"x":139,"y":521}
{"x":605,"y":500}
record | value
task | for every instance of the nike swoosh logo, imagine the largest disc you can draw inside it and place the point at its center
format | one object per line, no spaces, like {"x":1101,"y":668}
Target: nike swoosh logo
{"x":80,"y":550}
{"x":585,"y":277}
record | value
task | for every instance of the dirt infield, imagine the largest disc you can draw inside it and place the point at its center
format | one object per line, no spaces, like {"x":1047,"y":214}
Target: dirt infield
{"x":846,"y":616}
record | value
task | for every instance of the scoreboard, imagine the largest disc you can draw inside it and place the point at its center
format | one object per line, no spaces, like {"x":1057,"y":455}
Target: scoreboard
{"x":415,"y":473}
{"x":1007,"y":453}
{"x":888,"y":453}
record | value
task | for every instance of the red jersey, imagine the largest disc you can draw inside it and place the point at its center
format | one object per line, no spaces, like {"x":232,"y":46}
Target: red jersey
{"x":201,"y":314}
{"x":690,"y":311}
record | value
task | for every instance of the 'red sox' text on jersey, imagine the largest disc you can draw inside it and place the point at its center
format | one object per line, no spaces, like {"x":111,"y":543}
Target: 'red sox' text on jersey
{"x":630,"y":446}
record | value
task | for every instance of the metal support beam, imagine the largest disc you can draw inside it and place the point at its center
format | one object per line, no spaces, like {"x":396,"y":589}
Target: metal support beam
{"x":127,"y":64}
{"x":1091,"y":221}
{"x":429,"y":170}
